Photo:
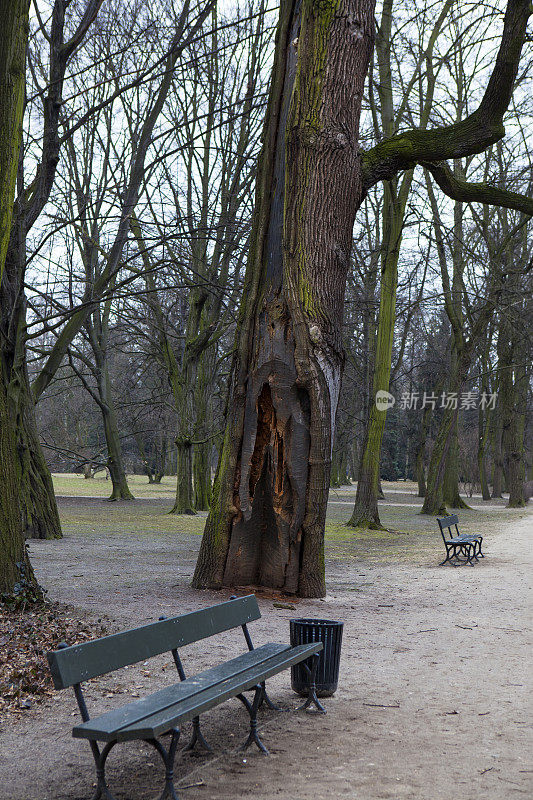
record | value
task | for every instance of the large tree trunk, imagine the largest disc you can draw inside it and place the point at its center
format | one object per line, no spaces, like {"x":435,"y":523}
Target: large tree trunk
{"x":14,"y":21}
{"x":266,"y":524}
{"x":36,"y":493}
{"x":13,"y":556}
{"x":37,"y":497}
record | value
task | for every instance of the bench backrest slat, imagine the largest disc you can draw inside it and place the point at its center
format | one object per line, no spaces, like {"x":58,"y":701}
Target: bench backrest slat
{"x":447,"y":522}
{"x":89,"y":660}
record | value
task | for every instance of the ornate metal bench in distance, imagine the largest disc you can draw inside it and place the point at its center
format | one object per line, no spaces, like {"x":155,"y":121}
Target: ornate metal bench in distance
{"x":165,"y":710}
{"x":459,"y":544}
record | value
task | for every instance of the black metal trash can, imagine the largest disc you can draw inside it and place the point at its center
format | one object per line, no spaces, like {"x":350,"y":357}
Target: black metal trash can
{"x":329,"y":633}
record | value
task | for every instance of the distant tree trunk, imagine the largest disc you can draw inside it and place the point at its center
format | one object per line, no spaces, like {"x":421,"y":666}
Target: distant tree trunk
{"x":334,"y":478}
{"x":420,"y":470}
{"x":497,"y":455}
{"x":420,"y":457}
{"x":365,"y":513}
{"x":183,"y":384}
{"x":266,"y":524}
{"x":434,"y":500}
{"x":484,"y":421}
{"x":343,"y":469}
{"x":115,"y":462}
{"x":38,"y":501}
{"x":482,"y":446}
{"x":202,"y":445}
{"x":452,"y":498}
{"x":513,"y":388}
{"x":184,"y":503}
{"x":202,"y":475}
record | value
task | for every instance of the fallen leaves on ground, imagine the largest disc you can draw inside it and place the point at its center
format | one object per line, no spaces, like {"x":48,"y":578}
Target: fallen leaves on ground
{"x":25,"y":638}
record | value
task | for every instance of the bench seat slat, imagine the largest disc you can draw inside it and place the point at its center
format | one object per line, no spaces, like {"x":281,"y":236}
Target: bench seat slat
{"x":204,"y":696}
{"x":462,"y":539}
{"x":89,"y":660}
{"x":109,"y":723}
{"x":198,"y":704}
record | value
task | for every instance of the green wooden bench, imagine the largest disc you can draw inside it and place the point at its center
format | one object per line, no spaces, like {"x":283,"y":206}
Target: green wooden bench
{"x":459,"y":544}
{"x":165,"y":710}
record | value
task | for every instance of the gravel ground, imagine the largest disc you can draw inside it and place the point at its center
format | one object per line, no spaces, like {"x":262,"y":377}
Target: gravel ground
{"x":435,"y":686}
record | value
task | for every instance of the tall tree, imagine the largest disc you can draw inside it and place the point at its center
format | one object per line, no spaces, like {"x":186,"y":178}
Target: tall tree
{"x":267,"y":519}
{"x":37,"y":500}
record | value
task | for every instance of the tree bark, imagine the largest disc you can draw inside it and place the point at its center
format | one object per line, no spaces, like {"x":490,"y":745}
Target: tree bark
{"x":38,"y":503}
{"x":420,"y":458}
{"x":484,"y":421}
{"x":266,"y":524}
{"x":497,"y":455}
{"x":434,"y":502}
{"x":452,"y":498}
{"x":365,"y":513}
{"x":483,"y":428}
{"x":115,"y":461}
{"x":201,"y":466}
{"x":14,"y":25}
{"x":13,"y":554}
{"x":513,"y":391}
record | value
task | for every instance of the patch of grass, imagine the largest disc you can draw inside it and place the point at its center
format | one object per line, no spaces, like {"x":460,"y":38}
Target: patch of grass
{"x":139,"y":518}
{"x":410,"y":536}
{"x":69,"y":484}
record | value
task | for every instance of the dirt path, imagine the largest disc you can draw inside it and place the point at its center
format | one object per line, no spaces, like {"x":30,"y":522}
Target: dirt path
{"x":434,"y":701}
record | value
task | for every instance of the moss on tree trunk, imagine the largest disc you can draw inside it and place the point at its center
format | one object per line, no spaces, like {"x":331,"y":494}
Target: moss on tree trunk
{"x":13,"y":41}
{"x":266,"y":524}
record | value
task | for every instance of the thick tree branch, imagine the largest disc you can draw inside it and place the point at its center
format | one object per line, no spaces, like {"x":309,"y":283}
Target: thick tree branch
{"x":459,"y":189}
{"x":472,"y":135}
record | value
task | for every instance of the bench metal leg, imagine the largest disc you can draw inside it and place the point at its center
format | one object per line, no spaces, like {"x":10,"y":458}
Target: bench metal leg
{"x":451,"y":553}
{"x":253,"y":736}
{"x":102,"y":789}
{"x":266,"y":699}
{"x":469,"y":551}
{"x":168,"y":757}
{"x":312,"y":699}
{"x":197,"y":737}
